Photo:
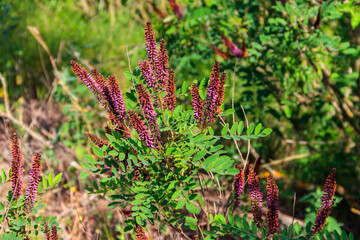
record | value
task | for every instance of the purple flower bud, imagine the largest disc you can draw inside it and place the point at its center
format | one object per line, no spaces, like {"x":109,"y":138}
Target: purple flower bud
{"x":16,"y":168}
{"x":212,"y":93}
{"x":239,"y":183}
{"x":85,"y":77}
{"x":272,"y":216}
{"x":47,"y":230}
{"x":176,"y":9}
{"x":221,"y":91}
{"x":96,"y":140}
{"x":34,"y":180}
{"x":117,"y":100}
{"x":235,"y":50}
{"x":197,"y":103}
{"x":140,"y":233}
{"x":256,"y":198}
{"x":148,"y":109}
{"x":141,"y":129}
{"x":162,"y":65}
{"x":54,"y":234}
{"x":148,"y":74}
{"x":170,"y":99}
{"x":150,"y":45}
{"x":327,"y":202}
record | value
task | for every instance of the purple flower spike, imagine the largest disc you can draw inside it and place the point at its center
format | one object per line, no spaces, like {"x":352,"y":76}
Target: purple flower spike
{"x":150,"y":44}
{"x":212,"y":93}
{"x":235,"y":50}
{"x":116,"y":98}
{"x":47,"y":230}
{"x":256,"y":198}
{"x":99,"y":84}
{"x":54,"y":234}
{"x":176,"y":9}
{"x":162,"y":65}
{"x":272,"y":216}
{"x":84,"y":76}
{"x":16,"y":168}
{"x":141,"y":129}
{"x":148,"y":74}
{"x":140,"y":233}
{"x":96,"y":140}
{"x":170,"y":99}
{"x":148,"y":108}
{"x":221,"y":91}
{"x":34,"y":180}
{"x":239,"y":183}
{"x":327,"y":202}
{"x":197,"y":103}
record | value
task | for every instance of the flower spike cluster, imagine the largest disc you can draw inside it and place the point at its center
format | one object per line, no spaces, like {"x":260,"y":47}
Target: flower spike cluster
{"x":148,"y":109}
{"x":162,"y":64}
{"x":256,"y":197}
{"x":34,"y":181}
{"x":272,"y":216}
{"x":197,"y":103}
{"x":107,"y":92}
{"x":239,"y":183}
{"x":327,"y":202}
{"x":47,"y":230}
{"x":16,"y":168}
{"x":140,"y":233}
{"x":142,"y":130}
{"x":214,"y":97}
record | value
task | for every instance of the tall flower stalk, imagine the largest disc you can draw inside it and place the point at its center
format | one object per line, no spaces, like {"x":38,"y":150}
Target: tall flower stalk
{"x":327,"y":202}
{"x":239,"y":183}
{"x":197,"y":103}
{"x":272,"y":216}
{"x":17,"y":165}
{"x":34,"y":180}
{"x":142,"y":130}
{"x":256,"y":197}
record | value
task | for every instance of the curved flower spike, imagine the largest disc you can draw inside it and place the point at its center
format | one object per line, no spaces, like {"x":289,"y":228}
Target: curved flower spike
{"x":16,"y":168}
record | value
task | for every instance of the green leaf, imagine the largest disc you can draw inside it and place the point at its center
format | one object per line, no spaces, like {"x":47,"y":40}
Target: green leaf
{"x":209,"y":160}
{"x":232,"y":171}
{"x":190,"y":207}
{"x":250,"y":129}
{"x":230,"y":218}
{"x":336,"y":235}
{"x":240,"y":127}
{"x":183,"y":88}
{"x":191,"y":220}
{"x":211,"y":131}
{"x":51,"y":179}
{"x":128,"y":228}
{"x":297,"y":227}
{"x":3,"y":175}
{"x":44,"y":181}
{"x":225,"y":129}
{"x":180,"y":204}
{"x":233,"y":129}
{"x":85,"y":165}
{"x":344,"y":235}
{"x":98,"y":152}
{"x":228,"y":112}
{"x":84,"y":175}
{"x":351,"y":236}
{"x":308,"y":227}
{"x":176,"y":194}
{"x":199,"y":155}
{"x":267,"y":131}
{"x":89,"y":159}
{"x":258,"y":128}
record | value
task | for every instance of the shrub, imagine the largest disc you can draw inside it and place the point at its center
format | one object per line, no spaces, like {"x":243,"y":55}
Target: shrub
{"x":166,"y":162}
